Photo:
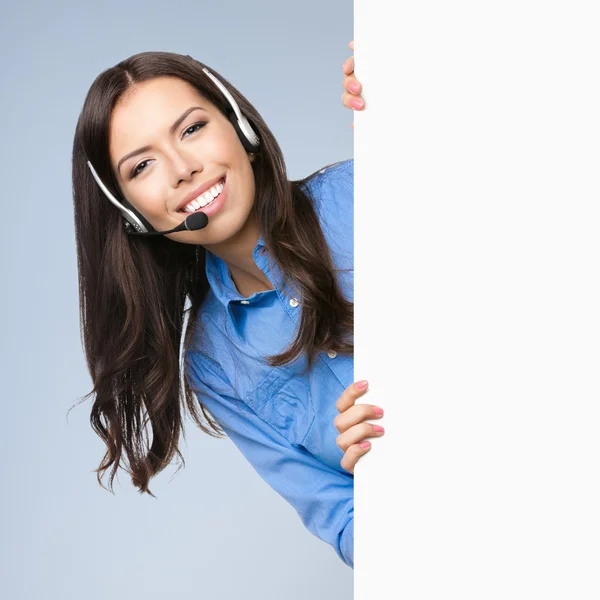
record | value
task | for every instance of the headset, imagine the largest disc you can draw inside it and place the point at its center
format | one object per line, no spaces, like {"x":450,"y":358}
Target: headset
{"x":135,"y":223}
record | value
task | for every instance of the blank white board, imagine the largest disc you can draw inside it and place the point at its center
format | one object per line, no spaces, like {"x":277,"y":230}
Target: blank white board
{"x":477,"y":291}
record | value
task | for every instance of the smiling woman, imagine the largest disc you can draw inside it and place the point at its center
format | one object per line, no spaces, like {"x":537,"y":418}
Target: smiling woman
{"x":266,"y":286}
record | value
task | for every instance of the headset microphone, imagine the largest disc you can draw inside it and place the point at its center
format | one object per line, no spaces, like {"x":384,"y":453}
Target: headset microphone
{"x":135,"y":224}
{"x":193,"y":222}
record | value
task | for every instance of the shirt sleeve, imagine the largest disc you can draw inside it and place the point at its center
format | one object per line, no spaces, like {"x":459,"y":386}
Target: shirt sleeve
{"x":322,"y":496}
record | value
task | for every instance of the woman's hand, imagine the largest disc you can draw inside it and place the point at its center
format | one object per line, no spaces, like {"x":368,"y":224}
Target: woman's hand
{"x":350,"y":423}
{"x":351,"y":97}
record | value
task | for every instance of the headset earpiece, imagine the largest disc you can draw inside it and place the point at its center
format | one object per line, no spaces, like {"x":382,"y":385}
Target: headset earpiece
{"x":248,"y":145}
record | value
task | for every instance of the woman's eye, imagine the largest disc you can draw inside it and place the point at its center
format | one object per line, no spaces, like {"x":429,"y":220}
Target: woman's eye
{"x":195,"y":127}
{"x":137,"y":169}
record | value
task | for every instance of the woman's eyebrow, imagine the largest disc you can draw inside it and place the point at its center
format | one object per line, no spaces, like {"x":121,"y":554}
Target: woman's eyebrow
{"x":172,"y":129}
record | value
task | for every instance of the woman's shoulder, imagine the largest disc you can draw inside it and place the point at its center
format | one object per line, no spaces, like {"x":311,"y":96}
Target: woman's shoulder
{"x":332,"y":188}
{"x":336,"y":174}
{"x":332,"y":192}
{"x":338,"y":168}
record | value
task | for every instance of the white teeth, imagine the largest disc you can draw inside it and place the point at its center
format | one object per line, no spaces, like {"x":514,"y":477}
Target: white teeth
{"x":204,"y":199}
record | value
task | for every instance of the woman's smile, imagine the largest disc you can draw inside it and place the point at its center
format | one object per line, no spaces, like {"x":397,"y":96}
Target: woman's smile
{"x":216,"y":197}
{"x":202,"y":198}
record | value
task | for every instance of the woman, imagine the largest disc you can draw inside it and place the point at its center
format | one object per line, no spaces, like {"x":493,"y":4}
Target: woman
{"x":259,"y":267}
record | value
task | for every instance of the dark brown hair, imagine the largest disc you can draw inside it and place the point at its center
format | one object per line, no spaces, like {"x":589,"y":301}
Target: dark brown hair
{"x":132,"y":289}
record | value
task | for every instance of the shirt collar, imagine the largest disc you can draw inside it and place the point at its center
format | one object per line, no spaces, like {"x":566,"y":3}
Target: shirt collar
{"x":220,"y":279}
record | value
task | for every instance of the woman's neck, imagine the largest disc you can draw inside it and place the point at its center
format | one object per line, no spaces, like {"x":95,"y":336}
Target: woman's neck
{"x":250,"y":282}
{"x":237,"y":254}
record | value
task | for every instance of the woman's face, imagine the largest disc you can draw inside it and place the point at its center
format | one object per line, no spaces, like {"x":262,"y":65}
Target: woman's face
{"x":178,"y":158}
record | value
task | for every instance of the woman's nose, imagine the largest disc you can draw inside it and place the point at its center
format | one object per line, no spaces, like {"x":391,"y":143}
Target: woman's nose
{"x":184,"y":168}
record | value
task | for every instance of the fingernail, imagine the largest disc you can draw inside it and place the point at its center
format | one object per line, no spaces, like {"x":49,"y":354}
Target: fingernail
{"x":356,"y":103}
{"x":361,"y":385}
{"x":377,"y":410}
{"x":365,"y":444}
{"x":378,"y":428}
{"x":353,"y":87}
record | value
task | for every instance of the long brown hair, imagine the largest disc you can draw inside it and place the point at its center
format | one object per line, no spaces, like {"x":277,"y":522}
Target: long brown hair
{"x":132,"y":289}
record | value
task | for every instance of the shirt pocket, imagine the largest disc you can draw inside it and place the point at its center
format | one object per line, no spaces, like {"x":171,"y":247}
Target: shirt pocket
{"x":283,"y":400}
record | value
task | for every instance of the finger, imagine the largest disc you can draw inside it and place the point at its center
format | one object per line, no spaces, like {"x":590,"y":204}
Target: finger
{"x":351,"y":84}
{"x":352,"y":455}
{"x":351,"y":394}
{"x":356,"y":414}
{"x":351,"y":44}
{"x":348,"y":66}
{"x":356,"y":434}
{"x":352,"y":101}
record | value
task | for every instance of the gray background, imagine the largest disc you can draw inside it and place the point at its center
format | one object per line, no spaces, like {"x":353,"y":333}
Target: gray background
{"x":216,"y":530}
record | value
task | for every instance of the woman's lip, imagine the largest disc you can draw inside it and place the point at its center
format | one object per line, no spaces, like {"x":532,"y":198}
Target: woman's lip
{"x":199,"y":193}
{"x":214,"y":206}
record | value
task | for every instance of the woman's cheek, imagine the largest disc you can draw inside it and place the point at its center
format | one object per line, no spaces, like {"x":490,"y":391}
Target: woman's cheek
{"x":150,"y":205}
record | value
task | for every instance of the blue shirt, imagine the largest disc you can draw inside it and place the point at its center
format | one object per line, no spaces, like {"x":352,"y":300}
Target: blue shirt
{"x":280,"y":419}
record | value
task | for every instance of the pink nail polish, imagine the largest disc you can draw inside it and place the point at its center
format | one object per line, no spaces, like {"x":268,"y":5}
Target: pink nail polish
{"x":365,"y":444}
{"x":377,"y":410}
{"x":378,"y":428}
{"x":353,"y":87}
{"x":356,"y":103}
{"x":361,"y":385}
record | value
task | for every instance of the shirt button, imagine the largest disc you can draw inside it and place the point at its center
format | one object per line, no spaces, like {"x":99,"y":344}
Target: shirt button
{"x":294,"y":302}
{"x":245,"y":301}
{"x":332,"y":354}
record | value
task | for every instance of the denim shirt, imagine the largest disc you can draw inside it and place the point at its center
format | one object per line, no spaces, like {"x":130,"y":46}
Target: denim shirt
{"x":279,"y":418}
